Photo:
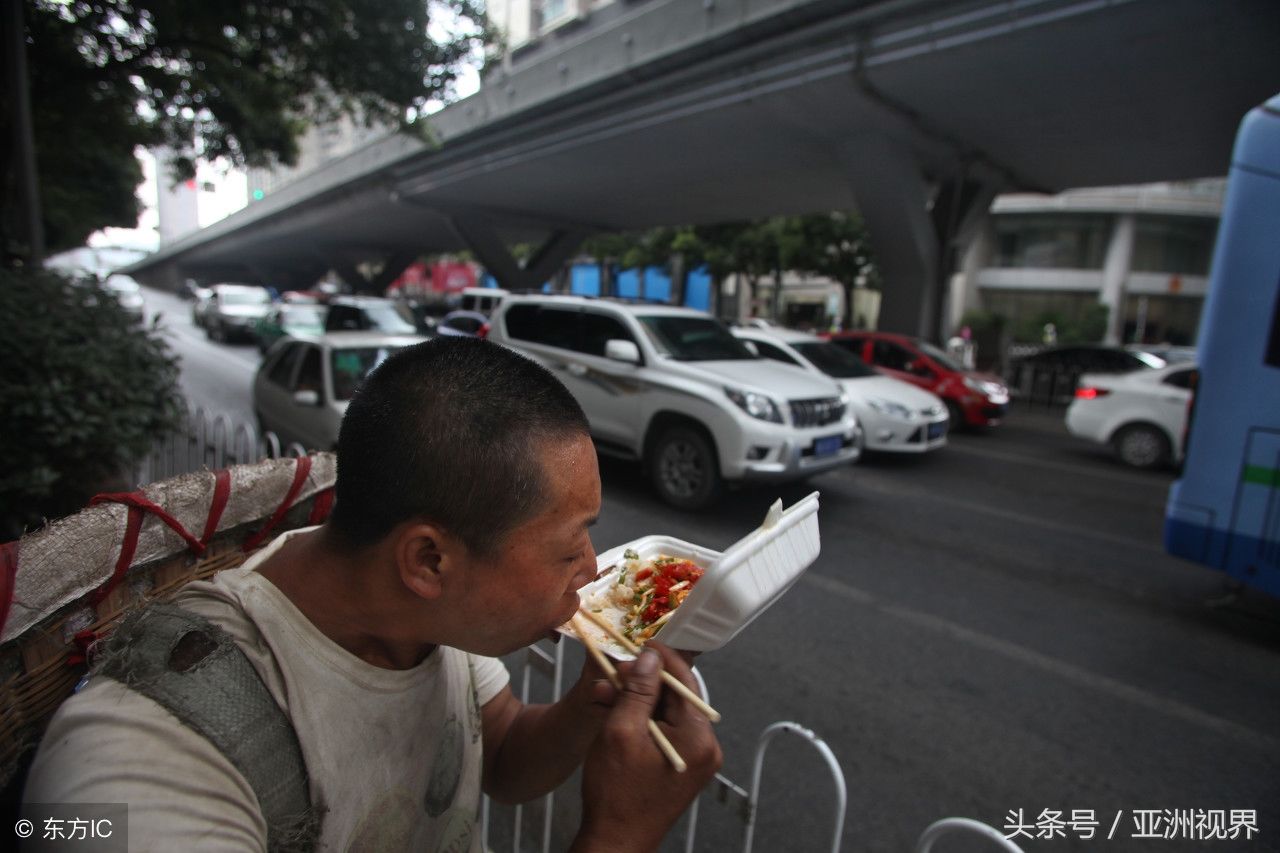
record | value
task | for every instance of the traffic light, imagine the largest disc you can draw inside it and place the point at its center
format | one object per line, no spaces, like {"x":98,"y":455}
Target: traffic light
{"x":258,"y":194}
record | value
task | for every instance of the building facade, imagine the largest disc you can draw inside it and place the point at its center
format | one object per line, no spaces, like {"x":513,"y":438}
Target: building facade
{"x":1142,"y":252}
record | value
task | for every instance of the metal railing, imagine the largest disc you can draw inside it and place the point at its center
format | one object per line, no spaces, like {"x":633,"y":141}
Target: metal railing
{"x":211,"y":442}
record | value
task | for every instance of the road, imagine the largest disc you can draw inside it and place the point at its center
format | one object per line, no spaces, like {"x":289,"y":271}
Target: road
{"x":991,"y":628}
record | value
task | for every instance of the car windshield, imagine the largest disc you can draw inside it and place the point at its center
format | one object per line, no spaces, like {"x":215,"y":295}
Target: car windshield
{"x":352,"y":364}
{"x":941,"y":357}
{"x":687,"y":338}
{"x":385,"y":318}
{"x":245,"y":297}
{"x":833,"y":360}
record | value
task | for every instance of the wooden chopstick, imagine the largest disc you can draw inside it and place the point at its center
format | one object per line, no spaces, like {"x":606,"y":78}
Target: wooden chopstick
{"x":611,"y":672}
{"x":674,"y":683}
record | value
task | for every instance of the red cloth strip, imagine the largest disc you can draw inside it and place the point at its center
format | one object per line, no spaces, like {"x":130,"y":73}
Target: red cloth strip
{"x":321,"y":507}
{"x":8,"y":578}
{"x":127,"y":549}
{"x":300,"y":473}
{"x":221,"y":492}
{"x":138,"y":500}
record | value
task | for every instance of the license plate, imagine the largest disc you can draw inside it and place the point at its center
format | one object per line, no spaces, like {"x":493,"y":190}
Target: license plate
{"x":936,"y":430}
{"x":827,"y":446}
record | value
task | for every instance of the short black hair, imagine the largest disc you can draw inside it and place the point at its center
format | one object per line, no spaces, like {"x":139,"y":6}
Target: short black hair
{"x":448,"y":431}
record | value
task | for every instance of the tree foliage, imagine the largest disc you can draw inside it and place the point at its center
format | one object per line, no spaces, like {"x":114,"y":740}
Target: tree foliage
{"x":239,"y":79}
{"x":835,"y":245}
{"x":84,"y":391}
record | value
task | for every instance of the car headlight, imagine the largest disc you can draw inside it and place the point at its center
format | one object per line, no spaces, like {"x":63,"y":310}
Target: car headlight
{"x":889,"y":407}
{"x":757,"y":405}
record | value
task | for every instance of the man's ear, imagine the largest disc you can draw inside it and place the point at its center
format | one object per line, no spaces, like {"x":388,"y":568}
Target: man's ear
{"x":426,"y":557}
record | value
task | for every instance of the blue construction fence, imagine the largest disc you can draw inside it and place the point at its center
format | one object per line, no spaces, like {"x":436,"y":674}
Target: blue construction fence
{"x":651,"y":284}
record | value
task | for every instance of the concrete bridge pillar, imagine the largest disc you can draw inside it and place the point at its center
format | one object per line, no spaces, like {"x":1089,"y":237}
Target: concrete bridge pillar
{"x":482,"y":239}
{"x":915,"y":227}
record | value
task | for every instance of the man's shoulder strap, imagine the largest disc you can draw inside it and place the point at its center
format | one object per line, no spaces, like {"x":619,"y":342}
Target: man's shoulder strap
{"x":195,"y":670}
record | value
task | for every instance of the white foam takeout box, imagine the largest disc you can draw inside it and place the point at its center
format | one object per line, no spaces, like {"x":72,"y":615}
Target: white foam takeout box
{"x":738,"y":584}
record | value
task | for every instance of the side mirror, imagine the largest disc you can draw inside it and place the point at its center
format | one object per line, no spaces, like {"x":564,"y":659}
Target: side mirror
{"x":624,"y":351}
{"x":752,"y":348}
{"x":306,"y":398}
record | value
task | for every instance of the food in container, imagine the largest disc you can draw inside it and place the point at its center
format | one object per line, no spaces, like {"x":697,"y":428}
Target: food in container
{"x":734,"y":587}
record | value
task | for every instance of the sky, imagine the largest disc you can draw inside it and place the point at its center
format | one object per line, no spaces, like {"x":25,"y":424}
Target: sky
{"x":230,"y":190}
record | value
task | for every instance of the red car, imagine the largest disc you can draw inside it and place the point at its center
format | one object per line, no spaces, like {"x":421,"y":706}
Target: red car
{"x":974,"y":399}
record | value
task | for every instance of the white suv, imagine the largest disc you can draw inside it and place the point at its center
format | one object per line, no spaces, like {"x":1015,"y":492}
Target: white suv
{"x":675,"y":389}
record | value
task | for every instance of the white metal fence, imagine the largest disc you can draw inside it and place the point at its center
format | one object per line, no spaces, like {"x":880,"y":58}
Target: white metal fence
{"x":209,"y":441}
{"x":742,"y":804}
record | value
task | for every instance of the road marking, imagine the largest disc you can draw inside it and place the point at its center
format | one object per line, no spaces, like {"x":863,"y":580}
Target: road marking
{"x":1077,"y":470}
{"x":969,"y":505}
{"x":1061,"y":669}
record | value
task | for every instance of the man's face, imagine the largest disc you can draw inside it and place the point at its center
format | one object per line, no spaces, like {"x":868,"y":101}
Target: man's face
{"x":529,"y":585}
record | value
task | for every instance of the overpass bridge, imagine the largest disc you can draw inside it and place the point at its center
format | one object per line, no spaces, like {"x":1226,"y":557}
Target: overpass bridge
{"x":915,"y":112}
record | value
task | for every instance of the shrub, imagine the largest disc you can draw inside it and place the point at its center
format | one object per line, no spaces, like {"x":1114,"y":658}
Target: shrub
{"x":84,"y":391}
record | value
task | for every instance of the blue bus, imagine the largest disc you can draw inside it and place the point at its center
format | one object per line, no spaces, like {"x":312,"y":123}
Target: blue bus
{"x":1224,"y":510}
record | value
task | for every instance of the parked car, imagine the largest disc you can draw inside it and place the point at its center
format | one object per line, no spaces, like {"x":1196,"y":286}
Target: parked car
{"x":1052,"y":373}
{"x":481,"y":299}
{"x":1141,"y":414}
{"x":128,"y":294}
{"x":289,"y":320}
{"x":233,"y":311}
{"x":367,"y":314}
{"x":972,"y":398}
{"x":1168,"y":353}
{"x":303,"y":386}
{"x":202,"y":298}
{"x":304,"y":297}
{"x":896,"y":416}
{"x":470,"y":324}
{"x":675,"y":389}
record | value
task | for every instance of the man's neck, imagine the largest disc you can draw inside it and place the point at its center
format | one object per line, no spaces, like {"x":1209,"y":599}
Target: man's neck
{"x":349,"y":596}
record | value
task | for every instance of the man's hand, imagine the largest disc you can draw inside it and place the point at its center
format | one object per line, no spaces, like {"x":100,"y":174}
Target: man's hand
{"x":630,"y":793}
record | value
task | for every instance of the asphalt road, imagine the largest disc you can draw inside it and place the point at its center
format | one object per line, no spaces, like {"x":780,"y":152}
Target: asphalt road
{"x":992,"y":628}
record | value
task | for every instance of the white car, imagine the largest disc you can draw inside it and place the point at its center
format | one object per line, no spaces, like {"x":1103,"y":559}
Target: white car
{"x":896,"y":416}
{"x":1142,"y":415}
{"x":675,"y":389}
{"x":303,"y":386}
{"x":233,"y":311}
{"x":129,"y":294}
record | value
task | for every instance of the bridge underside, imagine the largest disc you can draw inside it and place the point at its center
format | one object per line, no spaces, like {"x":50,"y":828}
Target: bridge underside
{"x":832,"y":108}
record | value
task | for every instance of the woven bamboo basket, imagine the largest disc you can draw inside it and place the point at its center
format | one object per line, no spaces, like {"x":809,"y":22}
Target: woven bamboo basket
{"x":64,"y":587}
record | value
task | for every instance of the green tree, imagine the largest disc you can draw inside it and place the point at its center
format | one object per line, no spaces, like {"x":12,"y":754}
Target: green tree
{"x":84,"y":394}
{"x":239,"y":79}
{"x":746,"y":249}
{"x":835,"y":245}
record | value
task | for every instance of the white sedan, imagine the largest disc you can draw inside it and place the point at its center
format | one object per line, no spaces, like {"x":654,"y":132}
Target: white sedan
{"x":896,"y":416}
{"x":304,"y":384}
{"x":1142,"y":415}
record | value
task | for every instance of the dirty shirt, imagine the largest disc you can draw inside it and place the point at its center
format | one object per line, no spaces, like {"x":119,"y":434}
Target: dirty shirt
{"x":394,"y":756}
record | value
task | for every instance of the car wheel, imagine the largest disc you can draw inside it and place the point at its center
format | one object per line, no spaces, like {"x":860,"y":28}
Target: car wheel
{"x":1142,"y":446}
{"x":219,"y":333}
{"x":956,"y":414}
{"x":683,"y":468}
